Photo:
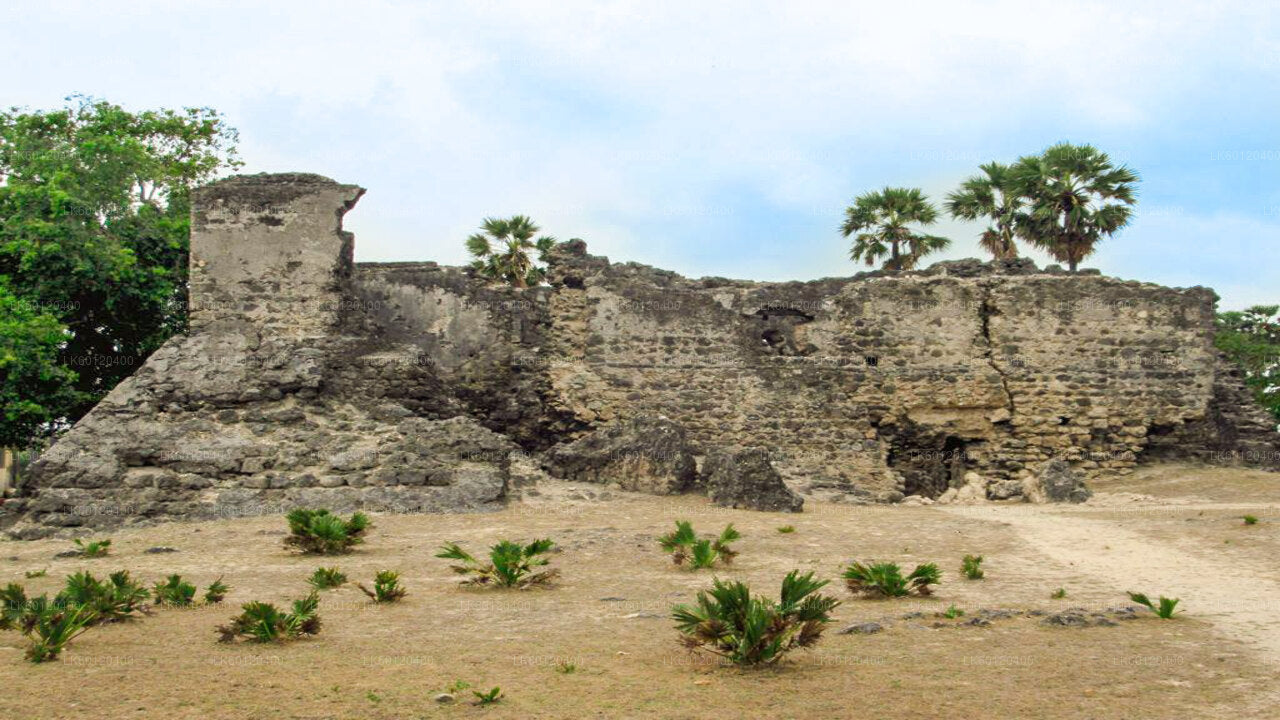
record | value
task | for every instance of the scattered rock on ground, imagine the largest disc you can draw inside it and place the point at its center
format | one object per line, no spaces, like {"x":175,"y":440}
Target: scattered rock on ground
{"x":866,"y":628}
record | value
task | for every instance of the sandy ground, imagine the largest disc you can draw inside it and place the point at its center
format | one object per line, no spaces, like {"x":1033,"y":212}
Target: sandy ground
{"x":1170,"y":530}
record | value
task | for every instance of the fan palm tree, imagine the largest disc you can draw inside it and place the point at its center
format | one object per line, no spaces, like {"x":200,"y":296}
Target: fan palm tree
{"x":502,"y":250}
{"x":880,"y":220}
{"x":1075,"y":197}
{"x":996,"y":197}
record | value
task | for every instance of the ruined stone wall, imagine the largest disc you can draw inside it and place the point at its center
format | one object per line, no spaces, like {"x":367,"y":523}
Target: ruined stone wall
{"x":410,"y":386}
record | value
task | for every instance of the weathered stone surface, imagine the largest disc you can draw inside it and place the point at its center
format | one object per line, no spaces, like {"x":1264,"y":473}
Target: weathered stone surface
{"x":1056,"y":481}
{"x":747,"y":480}
{"x":302,"y":369}
{"x":649,"y":455}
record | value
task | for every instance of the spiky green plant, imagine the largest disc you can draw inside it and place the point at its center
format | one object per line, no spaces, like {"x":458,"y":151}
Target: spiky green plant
{"x":50,"y":626}
{"x":326,"y":578}
{"x":118,"y":598}
{"x":787,"y":529}
{"x":320,"y":532}
{"x":885,"y":579}
{"x":971,"y":567}
{"x":952,"y":612}
{"x":36,"y":573}
{"x":13,"y":602}
{"x":174,"y":591}
{"x":1250,"y":519}
{"x":1058,"y":594}
{"x":263,"y":622}
{"x":1165,"y":610}
{"x":728,"y":621}
{"x":686,"y":547}
{"x":386,"y":587}
{"x":216,"y":592}
{"x":94,"y":549}
{"x":511,"y":565}
{"x":488,"y":698}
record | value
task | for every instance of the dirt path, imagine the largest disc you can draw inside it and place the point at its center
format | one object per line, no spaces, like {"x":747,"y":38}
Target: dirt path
{"x":1233,"y":597}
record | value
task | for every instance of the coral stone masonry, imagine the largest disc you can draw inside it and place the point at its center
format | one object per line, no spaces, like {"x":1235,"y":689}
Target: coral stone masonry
{"x":307,"y":379}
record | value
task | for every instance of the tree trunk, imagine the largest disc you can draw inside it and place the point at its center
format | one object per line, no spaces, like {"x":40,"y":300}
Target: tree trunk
{"x":8,"y":469}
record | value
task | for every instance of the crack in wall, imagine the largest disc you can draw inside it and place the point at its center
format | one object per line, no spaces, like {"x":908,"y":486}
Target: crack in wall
{"x":986,"y":310}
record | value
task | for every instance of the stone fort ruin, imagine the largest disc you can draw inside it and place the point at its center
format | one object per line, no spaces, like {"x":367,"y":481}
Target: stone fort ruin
{"x":309,"y":379}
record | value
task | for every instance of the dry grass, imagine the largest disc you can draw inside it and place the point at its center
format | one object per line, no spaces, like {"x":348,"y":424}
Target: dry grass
{"x":388,"y":661}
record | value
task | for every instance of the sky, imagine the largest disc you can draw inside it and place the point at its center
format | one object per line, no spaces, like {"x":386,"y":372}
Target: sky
{"x":708,"y":138}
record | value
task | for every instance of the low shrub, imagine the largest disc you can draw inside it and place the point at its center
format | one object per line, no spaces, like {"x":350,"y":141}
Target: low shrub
{"x":952,"y":612}
{"x":511,"y":565}
{"x":1165,"y":610}
{"x":1058,"y":594}
{"x":728,"y":621}
{"x":885,"y":579}
{"x":971,"y":567}
{"x":319,"y":532}
{"x":216,"y":592}
{"x":488,"y":698}
{"x":787,"y":529}
{"x":1250,"y":519}
{"x":386,"y":587}
{"x":263,"y":622}
{"x":50,"y":626}
{"x":116,"y":599}
{"x":94,"y":549}
{"x":326,"y":578}
{"x":174,"y":592}
{"x":686,"y":547}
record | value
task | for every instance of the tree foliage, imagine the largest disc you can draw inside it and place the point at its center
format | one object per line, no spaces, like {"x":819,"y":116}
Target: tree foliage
{"x":94,"y":226}
{"x":1075,"y":197}
{"x":503,"y":250}
{"x":995,"y":196}
{"x":1251,"y":338}
{"x":880,"y":223}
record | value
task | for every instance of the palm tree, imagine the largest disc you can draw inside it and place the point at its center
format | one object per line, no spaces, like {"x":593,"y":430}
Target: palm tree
{"x":1075,"y":197}
{"x":997,"y":198}
{"x":501,"y":252}
{"x":881,"y":220}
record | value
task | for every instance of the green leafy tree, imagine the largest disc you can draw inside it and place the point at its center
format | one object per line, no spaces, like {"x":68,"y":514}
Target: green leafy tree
{"x":994,"y":196}
{"x":503,"y":250}
{"x":1251,"y":338}
{"x":35,"y":389}
{"x":880,"y":223}
{"x":1075,"y":197}
{"x":94,"y":227}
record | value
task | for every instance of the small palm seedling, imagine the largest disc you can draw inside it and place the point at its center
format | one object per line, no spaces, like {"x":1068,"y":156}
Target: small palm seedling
{"x":1165,"y":610}
{"x":13,"y":603}
{"x":216,"y":592}
{"x":1250,"y":519}
{"x":728,"y":621}
{"x":1058,"y":594}
{"x":326,"y":578}
{"x":564,"y":667}
{"x":320,"y":532}
{"x":686,"y":547}
{"x":511,"y":565}
{"x":36,"y":573}
{"x":886,"y":580}
{"x":971,"y":567}
{"x":94,"y":549}
{"x":263,"y":622}
{"x":50,"y":626}
{"x":116,"y":599}
{"x":386,"y":587}
{"x":787,"y":529}
{"x":952,"y":612}
{"x":174,"y":592}
{"x":488,"y":698}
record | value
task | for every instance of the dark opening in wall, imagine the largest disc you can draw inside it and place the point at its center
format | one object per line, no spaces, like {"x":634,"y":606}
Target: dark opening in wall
{"x":928,"y":462}
{"x":871,"y":360}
